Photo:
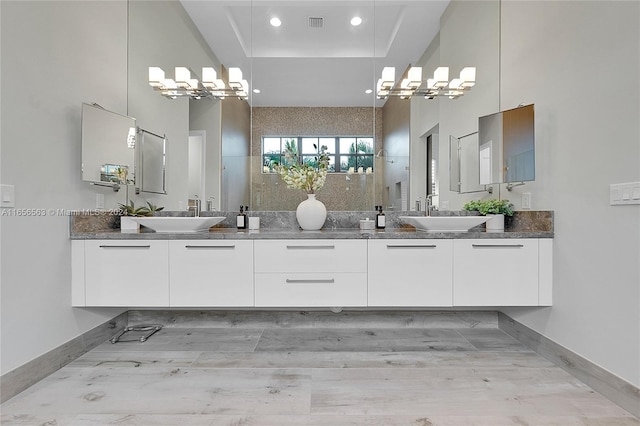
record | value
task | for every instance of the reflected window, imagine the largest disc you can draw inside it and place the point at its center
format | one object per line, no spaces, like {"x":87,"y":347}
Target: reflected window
{"x":345,"y":152}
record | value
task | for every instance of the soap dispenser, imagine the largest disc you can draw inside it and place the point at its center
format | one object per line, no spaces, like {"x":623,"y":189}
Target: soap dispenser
{"x":380,"y":218}
{"x":241,"y":219}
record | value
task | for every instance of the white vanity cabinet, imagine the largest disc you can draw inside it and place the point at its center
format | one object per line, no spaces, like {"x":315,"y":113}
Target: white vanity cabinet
{"x":497,"y":272}
{"x":211,"y":273}
{"x":123,"y":273}
{"x":411,"y":272}
{"x":310,"y":273}
{"x":304,"y":273}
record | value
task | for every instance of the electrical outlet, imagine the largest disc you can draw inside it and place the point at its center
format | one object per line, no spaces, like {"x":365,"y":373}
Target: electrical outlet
{"x":99,"y":201}
{"x":526,"y":200}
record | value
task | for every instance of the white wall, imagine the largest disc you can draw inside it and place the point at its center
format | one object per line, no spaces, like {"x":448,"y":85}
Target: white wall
{"x":55,"y":55}
{"x":579,"y":63}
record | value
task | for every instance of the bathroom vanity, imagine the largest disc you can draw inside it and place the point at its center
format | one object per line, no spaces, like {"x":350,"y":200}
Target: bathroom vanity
{"x":335,"y":268}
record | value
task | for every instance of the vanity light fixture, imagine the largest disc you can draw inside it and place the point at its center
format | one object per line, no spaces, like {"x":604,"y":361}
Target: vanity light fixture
{"x":438,"y":85}
{"x":186,"y":84}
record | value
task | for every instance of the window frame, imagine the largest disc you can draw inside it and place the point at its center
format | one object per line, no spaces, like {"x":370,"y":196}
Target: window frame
{"x":360,"y":157}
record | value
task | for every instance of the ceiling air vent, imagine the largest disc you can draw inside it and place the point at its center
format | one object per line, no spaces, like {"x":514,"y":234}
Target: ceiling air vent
{"x":316,"y":22}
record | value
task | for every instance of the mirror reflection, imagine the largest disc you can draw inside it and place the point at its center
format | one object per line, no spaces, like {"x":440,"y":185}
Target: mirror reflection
{"x":464,"y":164}
{"x":108,"y":146}
{"x":506,"y":146}
{"x":151,"y":171}
{"x":313,"y":76}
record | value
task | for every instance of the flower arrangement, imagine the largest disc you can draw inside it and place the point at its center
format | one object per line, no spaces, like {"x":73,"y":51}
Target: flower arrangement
{"x":308,"y":176}
{"x":492,"y":206}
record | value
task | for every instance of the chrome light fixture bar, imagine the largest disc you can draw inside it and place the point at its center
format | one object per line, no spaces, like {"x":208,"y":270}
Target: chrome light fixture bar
{"x":413,"y":85}
{"x":186,"y":84}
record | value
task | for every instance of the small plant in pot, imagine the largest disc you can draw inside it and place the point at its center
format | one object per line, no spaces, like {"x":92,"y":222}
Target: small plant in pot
{"x":130,"y":210}
{"x":496,"y":208}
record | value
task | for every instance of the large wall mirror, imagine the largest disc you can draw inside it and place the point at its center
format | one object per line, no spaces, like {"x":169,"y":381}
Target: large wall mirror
{"x":314,"y":72}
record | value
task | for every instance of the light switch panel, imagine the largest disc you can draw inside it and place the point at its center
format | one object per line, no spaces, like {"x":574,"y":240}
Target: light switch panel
{"x":8,"y":196}
{"x":624,"y":193}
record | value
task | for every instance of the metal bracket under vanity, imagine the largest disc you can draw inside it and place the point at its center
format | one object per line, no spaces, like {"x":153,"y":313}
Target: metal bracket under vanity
{"x":148,"y":329}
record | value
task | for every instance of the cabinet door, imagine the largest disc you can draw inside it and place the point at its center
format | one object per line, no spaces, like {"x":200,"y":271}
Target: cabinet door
{"x":126,"y":273}
{"x":410,"y":273}
{"x":211,"y":273}
{"x":495,"y":272}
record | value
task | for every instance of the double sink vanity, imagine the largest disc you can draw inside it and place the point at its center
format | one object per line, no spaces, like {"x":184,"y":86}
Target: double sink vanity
{"x":340,"y":266}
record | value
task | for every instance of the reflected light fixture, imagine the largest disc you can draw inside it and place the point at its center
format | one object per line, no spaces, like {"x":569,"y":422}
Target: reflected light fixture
{"x":414,"y":85}
{"x":131,"y":138}
{"x":356,"y":20}
{"x":275,"y":22}
{"x":186,"y":84}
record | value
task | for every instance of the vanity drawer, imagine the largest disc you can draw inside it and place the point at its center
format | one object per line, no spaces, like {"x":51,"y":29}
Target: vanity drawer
{"x":310,"y":256}
{"x":311,"y":290}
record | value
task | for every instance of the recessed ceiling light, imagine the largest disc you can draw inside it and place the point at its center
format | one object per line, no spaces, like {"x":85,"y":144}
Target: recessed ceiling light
{"x":256,"y":90}
{"x":368,"y":91}
{"x":275,"y":22}
{"x":356,"y":20}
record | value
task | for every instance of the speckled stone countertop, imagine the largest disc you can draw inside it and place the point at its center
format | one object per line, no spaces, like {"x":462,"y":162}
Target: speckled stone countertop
{"x":339,"y":225}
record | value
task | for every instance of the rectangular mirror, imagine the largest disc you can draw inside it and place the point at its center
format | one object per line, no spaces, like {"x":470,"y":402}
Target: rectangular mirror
{"x":108,"y":146}
{"x":151,"y":175}
{"x":507,"y":146}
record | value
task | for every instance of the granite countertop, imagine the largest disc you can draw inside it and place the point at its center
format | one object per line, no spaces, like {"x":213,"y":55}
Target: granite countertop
{"x":235,"y":234}
{"x":282,"y":225}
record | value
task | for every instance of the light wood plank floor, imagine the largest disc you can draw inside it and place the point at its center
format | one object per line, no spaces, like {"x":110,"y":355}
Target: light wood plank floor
{"x":313,"y":376}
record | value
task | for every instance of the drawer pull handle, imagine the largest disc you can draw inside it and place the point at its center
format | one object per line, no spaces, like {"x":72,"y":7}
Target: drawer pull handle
{"x":497,"y":245}
{"x":210,"y":247}
{"x":407,"y":246}
{"x":327,"y":281}
{"x":124,"y":246}
{"x":327,"y":247}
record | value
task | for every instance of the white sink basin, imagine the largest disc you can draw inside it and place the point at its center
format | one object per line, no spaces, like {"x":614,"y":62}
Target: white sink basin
{"x":178,"y":224}
{"x":444,"y":223}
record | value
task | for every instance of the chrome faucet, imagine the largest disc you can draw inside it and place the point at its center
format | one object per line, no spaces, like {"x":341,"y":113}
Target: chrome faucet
{"x":195,"y":206}
{"x":429,"y":203}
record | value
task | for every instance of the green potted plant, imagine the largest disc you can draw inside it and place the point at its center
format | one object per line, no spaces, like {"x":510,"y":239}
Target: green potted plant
{"x":497,"y":209}
{"x":130,"y":210}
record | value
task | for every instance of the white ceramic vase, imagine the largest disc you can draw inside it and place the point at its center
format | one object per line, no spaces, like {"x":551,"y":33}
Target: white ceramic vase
{"x":495,"y":223}
{"x":311,"y":213}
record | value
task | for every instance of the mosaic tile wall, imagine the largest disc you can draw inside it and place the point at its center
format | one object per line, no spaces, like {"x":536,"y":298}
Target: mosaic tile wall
{"x":341,"y":192}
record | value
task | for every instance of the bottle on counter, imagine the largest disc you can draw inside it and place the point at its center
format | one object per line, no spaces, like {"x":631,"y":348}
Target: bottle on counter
{"x":241,"y":219}
{"x":380,"y":218}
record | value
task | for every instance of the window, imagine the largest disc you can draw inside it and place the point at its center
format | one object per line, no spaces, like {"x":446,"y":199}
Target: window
{"x":345,"y":152}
